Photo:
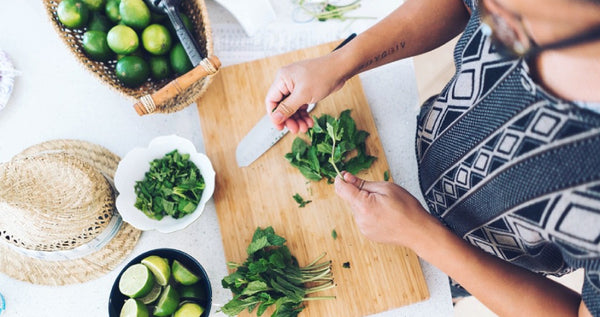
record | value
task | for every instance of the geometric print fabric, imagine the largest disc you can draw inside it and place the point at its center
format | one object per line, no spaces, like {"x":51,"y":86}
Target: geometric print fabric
{"x":552,"y":228}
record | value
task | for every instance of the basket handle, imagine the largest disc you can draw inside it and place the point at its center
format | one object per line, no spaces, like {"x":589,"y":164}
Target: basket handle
{"x":148,"y":103}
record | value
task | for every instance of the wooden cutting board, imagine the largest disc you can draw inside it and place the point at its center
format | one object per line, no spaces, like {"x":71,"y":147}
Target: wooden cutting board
{"x":380,"y":277}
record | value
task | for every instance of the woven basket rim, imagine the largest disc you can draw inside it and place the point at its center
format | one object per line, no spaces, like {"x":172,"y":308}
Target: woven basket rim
{"x":175,"y":104}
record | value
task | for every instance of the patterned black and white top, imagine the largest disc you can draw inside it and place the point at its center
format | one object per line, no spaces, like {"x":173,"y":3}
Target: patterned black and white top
{"x":512,"y":169}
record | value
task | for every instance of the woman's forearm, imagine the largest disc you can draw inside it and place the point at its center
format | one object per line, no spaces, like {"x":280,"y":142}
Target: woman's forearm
{"x":416,"y":27}
{"x":506,"y":289}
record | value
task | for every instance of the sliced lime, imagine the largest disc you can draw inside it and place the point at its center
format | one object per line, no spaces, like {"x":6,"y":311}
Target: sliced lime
{"x":182,"y":274}
{"x":134,"y":308}
{"x":167,"y":303}
{"x":153,"y":295}
{"x":136,"y":281}
{"x":195,"y":292}
{"x":159,"y":267}
{"x":189,"y":310}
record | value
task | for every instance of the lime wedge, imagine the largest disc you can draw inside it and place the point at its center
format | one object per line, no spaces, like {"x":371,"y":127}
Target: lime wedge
{"x":153,"y":295}
{"x":182,"y":274}
{"x":159,"y":267}
{"x":189,"y":310}
{"x":167,"y":303}
{"x":134,"y":308}
{"x":136,"y":281}
{"x":195,"y":292}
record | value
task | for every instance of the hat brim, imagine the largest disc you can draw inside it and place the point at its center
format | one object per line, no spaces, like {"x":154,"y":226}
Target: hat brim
{"x":22,"y":267}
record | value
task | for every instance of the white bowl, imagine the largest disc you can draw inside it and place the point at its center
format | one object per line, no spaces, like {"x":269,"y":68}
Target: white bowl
{"x":134,"y":166}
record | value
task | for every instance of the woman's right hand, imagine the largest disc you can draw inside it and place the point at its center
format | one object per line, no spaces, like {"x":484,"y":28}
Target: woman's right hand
{"x":299,"y":84}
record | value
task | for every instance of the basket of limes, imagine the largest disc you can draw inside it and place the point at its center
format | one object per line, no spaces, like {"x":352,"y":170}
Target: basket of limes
{"x":134,"y":49}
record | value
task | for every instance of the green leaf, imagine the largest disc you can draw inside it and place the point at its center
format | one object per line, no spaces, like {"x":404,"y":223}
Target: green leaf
{"x":299,"y":146}
{"x":255,"y":287}
{"x":386,"y":176}
{"x":257,"y":244}
{"x":309,"y":173}
{"x":334,"y":234}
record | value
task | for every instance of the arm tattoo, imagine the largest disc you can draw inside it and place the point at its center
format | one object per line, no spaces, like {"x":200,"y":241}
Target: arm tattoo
{"x":383,"y":55}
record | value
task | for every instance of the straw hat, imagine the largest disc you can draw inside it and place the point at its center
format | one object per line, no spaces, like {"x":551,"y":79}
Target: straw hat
{"x":58,"y":223}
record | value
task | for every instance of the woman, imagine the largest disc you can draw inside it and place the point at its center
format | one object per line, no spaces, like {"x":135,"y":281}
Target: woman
{"x":508,"y":152}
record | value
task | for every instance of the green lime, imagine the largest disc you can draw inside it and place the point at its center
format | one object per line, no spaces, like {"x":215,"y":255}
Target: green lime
{"x":99,"y":22}
{"x":189,"y":310}
{"x":153,"y":295}
{"x":136,"y":281}
{"x":112,"y":10}
{"x":159,"y":67}
{"x":134,"y":13}
{"x":194,"y":292}
{"x":159,"y":267}
{"x":167,"y":303}
{"x":94,"y":5}
{"x":134,"y":308}
{"x":73,"y":13}
{"x":180,"y":62}
{"x":132,"y":71}
{"x":156,"y":39}
{"x":182,"y":275}
{"x":122,"y":39}
{"x":95,"y":45}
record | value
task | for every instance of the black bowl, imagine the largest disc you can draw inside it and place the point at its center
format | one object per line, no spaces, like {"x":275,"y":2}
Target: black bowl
{"x":116,"y":299}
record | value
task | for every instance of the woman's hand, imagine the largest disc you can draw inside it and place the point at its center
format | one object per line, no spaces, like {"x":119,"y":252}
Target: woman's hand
{"x":384,"y":212}
{"x":296,"y":85}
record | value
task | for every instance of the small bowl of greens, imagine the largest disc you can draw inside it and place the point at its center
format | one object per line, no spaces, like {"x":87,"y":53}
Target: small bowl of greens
{"x":164,"y":186}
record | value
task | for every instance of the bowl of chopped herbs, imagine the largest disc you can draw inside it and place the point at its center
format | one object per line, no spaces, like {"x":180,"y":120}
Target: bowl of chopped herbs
{"x":164,"y":186}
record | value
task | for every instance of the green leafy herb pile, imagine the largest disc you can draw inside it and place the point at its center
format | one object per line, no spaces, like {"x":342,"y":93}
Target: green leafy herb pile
{"x":332,"y":141}
{"x":173,"y":186}
{"x":272,"y":276}
{"x":323,"y":10}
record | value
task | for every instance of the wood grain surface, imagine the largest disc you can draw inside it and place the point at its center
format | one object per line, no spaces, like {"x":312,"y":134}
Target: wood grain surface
{"x":380,"y":277}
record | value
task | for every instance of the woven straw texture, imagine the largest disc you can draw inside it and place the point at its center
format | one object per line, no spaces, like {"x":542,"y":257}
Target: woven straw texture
{"x":51,"y":198}
{"x":105,"y":71}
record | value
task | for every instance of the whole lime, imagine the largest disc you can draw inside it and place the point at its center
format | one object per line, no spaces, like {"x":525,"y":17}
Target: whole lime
{"x":132,"y":71}
{"x":134,"y":13}
{"x":94,"y":5}
{"x":112,"y":10}
{"x":122,"y":39}
{"x":99,"y":22}
{"x":180,"y":62}
{"x":96,"y":46}
{"x":73,"y":13}
{"x":159,"y":67}
{"x":156,"y":39}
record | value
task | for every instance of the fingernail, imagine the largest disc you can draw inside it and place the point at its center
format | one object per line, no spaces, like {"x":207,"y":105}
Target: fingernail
{"x":350,"y":178}
{"x":278,"y":116}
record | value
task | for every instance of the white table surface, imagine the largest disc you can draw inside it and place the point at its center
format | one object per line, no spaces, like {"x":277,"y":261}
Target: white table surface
{"x":54,"y":97}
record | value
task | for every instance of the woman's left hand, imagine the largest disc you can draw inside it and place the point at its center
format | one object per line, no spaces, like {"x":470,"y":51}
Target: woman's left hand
{"x":384,"y":211}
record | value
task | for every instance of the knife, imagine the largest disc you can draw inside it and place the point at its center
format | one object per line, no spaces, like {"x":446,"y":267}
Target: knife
{"x":264,"y":134}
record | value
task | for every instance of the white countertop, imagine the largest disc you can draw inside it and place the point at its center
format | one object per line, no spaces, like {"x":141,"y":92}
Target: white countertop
{"x":54,"y":97}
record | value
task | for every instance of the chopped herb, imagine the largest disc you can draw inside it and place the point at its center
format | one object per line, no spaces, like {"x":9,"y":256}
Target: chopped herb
{"x":324,"y":11}
{"x":173,"y":186}
{"x":346,"y":265}
{"x":386,"y":176}
{"x":301,"y":202}
{"x":332,"y":141}
{"x":271,"y":275}
{"x":334,"y":234}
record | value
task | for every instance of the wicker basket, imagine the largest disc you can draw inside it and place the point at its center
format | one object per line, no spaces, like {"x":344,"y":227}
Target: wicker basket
{"x":105,"y":71}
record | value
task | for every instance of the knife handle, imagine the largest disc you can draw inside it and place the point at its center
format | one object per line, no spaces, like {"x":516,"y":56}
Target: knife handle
{"x":148,"y":103}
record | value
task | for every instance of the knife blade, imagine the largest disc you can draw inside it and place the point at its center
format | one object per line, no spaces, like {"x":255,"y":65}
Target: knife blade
{"x":264,"y":134}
